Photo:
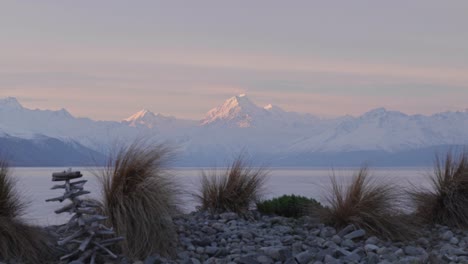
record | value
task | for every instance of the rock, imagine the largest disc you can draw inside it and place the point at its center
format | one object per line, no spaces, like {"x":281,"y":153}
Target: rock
{"x":327,"y":232}
{"x":348,"y":243}
{"x":153,"y":260}
{"x":346,"y":230}
{"x":336,"y":239}
{"x":276,"y":252}
{"x":194,"y":261}
{"x":371,"y":258}
{"x":447,"y":235}
{"x":248,"y":260}
{"x":264,"y":259}
{"x":246,"y":235}
{"x":423,"y":241}
{"x":371,"y":248}
{"x":229,"y":216}
{"x":304,"y":257}
{"x":454,"y":241}
{"x":399,"y":252}
{"x":330,"y":260}
{"x":373,"y":240}
{"x":211,"y":251}
{"x":355,"y":234}
{"x":202,"y":242}
{"x":296,"y":248}
{"x":353,"y":258}
{"x":414,"y":251}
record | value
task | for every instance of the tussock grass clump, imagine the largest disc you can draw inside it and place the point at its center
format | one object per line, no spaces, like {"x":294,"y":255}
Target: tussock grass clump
{"x":140,"y":199}
{"x":447,"y":202}
{"x":289,"y":206}
{"x":19,"y":242}
{"x":235,"y":190}
{"x":367,"y":204}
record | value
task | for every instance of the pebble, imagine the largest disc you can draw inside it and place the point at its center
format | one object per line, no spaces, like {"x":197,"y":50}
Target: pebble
{"x":228,"y":238}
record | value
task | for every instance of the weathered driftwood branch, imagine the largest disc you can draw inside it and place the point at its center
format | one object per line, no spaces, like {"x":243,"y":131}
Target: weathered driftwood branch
{"x":89,"y":238}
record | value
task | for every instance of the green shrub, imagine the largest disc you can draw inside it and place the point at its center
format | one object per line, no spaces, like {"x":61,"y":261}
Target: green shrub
{"x":236,"y":190}
{"x":288,"y":206}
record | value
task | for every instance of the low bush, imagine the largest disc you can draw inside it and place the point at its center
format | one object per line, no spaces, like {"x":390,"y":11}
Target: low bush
{"x":289,"y":206}
{"x":446,"y":202}
{"x":140,"y":198}
{"x":235,"y":190}
{"x":19,"y":242}
{"x":369,"y":205}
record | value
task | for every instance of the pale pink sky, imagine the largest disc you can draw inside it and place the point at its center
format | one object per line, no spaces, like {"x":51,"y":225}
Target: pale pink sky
{"x":109,"y":59}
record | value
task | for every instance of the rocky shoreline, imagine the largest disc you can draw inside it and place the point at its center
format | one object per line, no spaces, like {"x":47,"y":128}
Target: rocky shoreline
{"x":228,"y":238}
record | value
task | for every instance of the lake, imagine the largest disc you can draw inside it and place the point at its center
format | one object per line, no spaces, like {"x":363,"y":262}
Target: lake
{"x":35,"y":183}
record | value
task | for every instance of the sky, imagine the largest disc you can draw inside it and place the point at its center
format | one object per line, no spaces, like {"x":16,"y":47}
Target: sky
{"x":108,"y":59}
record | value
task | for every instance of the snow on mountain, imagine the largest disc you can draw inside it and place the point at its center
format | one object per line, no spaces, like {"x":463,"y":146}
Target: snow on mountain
{"x":9,"y":103}
{"x":380,"y":129}
{"x":239,"y":124}
{"x":21,"y":122}
{"x":159,"y":122}
{"x":239,"y":111}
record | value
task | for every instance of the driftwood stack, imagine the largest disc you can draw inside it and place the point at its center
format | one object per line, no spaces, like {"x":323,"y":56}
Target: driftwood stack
{"x":83,"y":236}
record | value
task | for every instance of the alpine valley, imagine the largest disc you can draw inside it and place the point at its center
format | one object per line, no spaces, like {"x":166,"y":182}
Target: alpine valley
{"x":270,"y":136}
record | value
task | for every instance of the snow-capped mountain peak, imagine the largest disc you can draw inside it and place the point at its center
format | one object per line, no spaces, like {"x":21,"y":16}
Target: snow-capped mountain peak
{"x":238,"y":109}
{"x":10,"y":103}
{"x":143,"y":114}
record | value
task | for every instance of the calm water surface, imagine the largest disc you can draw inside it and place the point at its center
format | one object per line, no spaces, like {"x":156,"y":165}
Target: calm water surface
{"x":35,"y":183}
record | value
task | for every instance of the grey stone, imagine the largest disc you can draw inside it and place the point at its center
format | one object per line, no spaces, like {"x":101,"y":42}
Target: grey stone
{"x":264,"y":259}
{"x":372,"y":258}
{"x":248,"y":260}
{"x":399,"y":252}
{"x":414,"y":251}
{"x":355,"y":234}
{"x":296,"y":248}
{"x":336,"y":239}
{"x":194,"y":261}
{"x":454,"y":241}
{"x":200,"y":250}
{"x":447,"y":235}
{"x":348,"y":229}
{"x":348,"y":243}
{"x":304,"y":257}
{"x":330,"y":260}
{"x":153,"y":260}
{"x":276,"y":252}
{"x":229,"y":216}
{"x":423,"y":241}
{"x":211,"y":251}
{"x":353,"y":258}
{"x":373,"y":240}
{"x":327,"y":232}
{"x":371,"y":248}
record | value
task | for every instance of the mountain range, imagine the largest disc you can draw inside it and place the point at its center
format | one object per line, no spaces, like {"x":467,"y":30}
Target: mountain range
{"x":270,"y":135}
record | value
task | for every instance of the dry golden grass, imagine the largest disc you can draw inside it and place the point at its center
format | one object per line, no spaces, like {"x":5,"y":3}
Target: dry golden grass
{"x":19,"y":242}
{"x":367,"y":204}
{"x":235,"y":190}
{"x":447,"y":202}
{"x":140,"y":198}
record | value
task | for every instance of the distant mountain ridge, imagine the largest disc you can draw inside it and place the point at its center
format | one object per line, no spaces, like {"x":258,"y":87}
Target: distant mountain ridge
{"x":269,"y":134}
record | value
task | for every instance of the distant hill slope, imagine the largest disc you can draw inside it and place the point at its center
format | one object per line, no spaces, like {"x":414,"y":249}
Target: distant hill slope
{"x":45,"y":151}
